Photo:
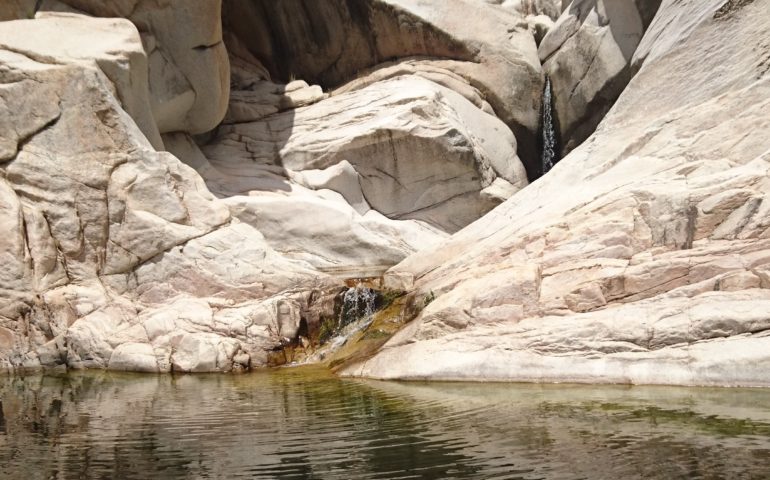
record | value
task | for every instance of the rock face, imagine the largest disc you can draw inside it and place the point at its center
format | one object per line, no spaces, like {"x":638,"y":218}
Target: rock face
{"x":405,"y":147}
{"x":643,"y":256}
{"x":169,"y":206}
{"x":587,"y":56}
{"x":392,"y":161}
{"x":188,"y":63}
{"x":119,"y":55}
{"x":118,"y":255}
{"x":359,"y":181}
{"x":333,"y":42}
{"x":115,"y":255}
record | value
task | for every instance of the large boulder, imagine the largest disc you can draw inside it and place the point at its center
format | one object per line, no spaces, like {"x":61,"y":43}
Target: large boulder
{"x":117,"y":53}
{"x":411,"y":148}
{"x":188,"y":63}
{"x":336,"y":41}
{"x":355,"y":183}
{"x":587,"y":55}
{"x":356,"y":178}
{"x":303,"y":215}
{"x":643,"y":256}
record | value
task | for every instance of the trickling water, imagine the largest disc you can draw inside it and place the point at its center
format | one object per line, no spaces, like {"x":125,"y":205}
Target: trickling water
{"x":549,"y":156}
{"x":357,"y":303}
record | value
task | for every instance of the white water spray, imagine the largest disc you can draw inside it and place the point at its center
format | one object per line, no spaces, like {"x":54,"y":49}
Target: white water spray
{"x":549,"y":156}
{"x":358,"y":307}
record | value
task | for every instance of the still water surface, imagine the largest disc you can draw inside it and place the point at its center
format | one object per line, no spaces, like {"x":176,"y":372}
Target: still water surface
{"x":305,"y":424}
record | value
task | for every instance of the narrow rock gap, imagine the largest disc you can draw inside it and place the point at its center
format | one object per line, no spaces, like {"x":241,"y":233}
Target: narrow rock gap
{"x":548,"y":138}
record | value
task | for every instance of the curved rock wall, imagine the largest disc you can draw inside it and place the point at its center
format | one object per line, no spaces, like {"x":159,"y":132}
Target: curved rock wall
{"x":643,"y":256}
{"x":356,"y":178}
{"x":330,"y":42}
{"x":188,"y":64}
{"x":118,"y":256}
{"x":335,"y":41}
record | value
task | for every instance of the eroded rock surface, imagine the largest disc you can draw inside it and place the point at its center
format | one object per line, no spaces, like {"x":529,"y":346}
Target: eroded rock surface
{"x":167,"y":207}
{"x":335,"y":41}
{"x":587,"y":55}
{"x":60,"y":38}
{"x":188,"y":63}
{"x":405,"y":147}
{"x":119,"y":256}
{"x":642,"y":257}
{"x":115,"y":255}
{"x":356,"y":178}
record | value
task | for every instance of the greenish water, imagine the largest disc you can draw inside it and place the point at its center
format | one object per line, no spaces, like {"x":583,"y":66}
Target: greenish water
{"x":306,"y":424}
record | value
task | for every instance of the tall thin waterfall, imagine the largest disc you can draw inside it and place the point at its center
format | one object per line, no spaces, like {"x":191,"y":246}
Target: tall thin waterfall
{"x":549,"y":156}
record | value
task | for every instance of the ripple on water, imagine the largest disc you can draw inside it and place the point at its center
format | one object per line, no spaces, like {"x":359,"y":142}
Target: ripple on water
{"x":299,"y":423}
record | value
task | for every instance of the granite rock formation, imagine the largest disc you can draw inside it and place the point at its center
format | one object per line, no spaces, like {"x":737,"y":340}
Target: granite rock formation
{"x":172,"y":207}
{"x":588,"y":55}
{"x":643,"y":256}
{"x":179,"y":188}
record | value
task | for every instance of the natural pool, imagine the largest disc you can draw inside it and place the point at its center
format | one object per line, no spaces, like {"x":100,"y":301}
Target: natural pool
{"x":304,"y":423}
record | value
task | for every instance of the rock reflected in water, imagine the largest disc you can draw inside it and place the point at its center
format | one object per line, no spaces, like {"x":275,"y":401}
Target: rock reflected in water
{"x":298,"y":423}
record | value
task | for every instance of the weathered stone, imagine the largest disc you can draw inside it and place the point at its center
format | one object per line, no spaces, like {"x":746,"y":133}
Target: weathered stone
{"x":135,"y":357}
{"x":91,"y":211}
{"x":61,"y":38}
{"x":588,"y":55}
{"x":642,"y":257}
{"x":333,"y":43}
{"x":265,"y":98}
{"x":188,"y":64}
{"x":420,"y":151}
{"x":651,"y":259}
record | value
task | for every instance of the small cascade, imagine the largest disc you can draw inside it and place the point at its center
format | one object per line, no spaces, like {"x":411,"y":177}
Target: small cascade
{"x":357,"y":303}
{"x":549,"y":156}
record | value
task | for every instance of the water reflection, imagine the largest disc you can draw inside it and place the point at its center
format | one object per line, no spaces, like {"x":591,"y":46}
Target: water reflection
{"x":308,"y":425}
